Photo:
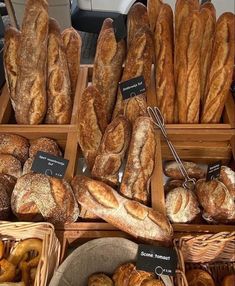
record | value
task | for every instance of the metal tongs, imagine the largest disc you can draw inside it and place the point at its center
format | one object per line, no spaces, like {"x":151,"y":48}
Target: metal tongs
{"x":157,"y":118}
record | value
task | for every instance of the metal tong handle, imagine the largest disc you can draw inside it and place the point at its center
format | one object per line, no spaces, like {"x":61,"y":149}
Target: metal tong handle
{"x":156,"y":116}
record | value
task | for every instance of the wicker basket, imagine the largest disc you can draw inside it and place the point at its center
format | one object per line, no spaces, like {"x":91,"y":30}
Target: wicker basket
{"x":213,"y":253}
{"x":11,"y":233}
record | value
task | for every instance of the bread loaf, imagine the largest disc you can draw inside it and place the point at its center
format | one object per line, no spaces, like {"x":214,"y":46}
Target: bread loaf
{"x":46,"y":145}
{"x":73,"y":44}
{"x":140,"y":162}
{"x":38,"y":197}
{"x":99,"y":279}
{"x":11,"y":46}
{"x":153,"y":7}
{"x":58,"y":81}
{"x":188,"y":72}
{"x":153,"y":282}
{"x":208,"y":19}
{"x":181,"y":205}
{"x":227,"y":177}
{"x":130,"y":216}
{"x":6,"y":186}
{"x":196,"y":277}
{"x":31,"y":100}
{"x":121,"y":276}
{"x":91,"y":124}
{"x":107,"y":69}
{"x":164,"y":59}
{"x":220,"y":75}
{"x":172,"y":184}
{"x":10,"y":165}
{"x":137,"y":18}
{"x":112,"y":150}
{"x":217,"y":202}
{"x":16,"y":145}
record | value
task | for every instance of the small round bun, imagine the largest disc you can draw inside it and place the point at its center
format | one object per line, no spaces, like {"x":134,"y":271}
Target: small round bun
{"x":100,"y":279}
{"x":198,"y":277}
{"x":10,"y":165}
{"x":229,"y":280}
{"x":14,"y":145}
{"x":46,"y":145}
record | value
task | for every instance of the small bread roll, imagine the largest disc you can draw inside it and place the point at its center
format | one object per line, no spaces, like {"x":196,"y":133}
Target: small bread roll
{"x":181,"y":205}
{"x":10,"y":165}
{"x":229,"y":280}
{"x":198,"y":277}
{"x":46,"y":145}
{"x":153,"y":282}
{"x":121,"y":276}
{"x":137,"y":277}
{"x":227,"y":177}
{"x":99,"y":279}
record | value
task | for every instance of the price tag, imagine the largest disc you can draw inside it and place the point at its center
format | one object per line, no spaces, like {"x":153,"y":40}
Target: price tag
{"x":119,"y":27}
{"x":157,"y":259}
{"x":50,"y":165}
{"x":132,"y":87}
{"x":213,"y":171}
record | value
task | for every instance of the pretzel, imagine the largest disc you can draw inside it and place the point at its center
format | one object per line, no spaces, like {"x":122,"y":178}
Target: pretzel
{"x":7,"y":271}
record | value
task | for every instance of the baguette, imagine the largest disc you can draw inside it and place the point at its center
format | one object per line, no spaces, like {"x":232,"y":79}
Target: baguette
{"x":73,"y":44}
{"x":112,"y":150}
{"x":132,"y":217}
{"x":31,"y":99}
{"x":165,"y":84}
{"x":208,"y":18}
{"x":153,"y":8}
{"x":12,"y":40}
{"x":58,"y":81}
{"x":107,"y":68}
{"x":188,"y":79}
{"x":220,"y":75}
{"x":140,"y":162}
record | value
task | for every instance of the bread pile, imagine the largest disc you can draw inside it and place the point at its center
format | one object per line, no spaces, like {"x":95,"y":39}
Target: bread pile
{"x":215,"y":198}
{"x":41,"y":67}
{"x":31,"y":196}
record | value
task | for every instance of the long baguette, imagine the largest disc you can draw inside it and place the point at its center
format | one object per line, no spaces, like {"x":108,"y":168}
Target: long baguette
{"x":153,"y":8}
{"x":132,"y":217}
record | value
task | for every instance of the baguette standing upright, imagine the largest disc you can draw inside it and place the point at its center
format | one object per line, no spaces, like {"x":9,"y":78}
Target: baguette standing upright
{"x":153,"y":8}
{"x":58,"y":82}
{"x":164,"y":59}
{"x":11,"y":46}
{"x":31,"y":99}
{"x":220,"y":75}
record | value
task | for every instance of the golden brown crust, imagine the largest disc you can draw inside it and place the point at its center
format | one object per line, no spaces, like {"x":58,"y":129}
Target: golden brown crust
{"x":153,"y":7}
{"x":229,"y":280}
{"x":99,"y":279}
{"x":220,"y":75}
{"x":194,"y":170}
{"x":227,"y":177}
{"x":138,"y":277}
{"x":58,"y":81}
{"x":153,"y":282}
{"x":73,"y":44}
{"x":46,"y":145}
{"x":31,"y":60}
{"x":140,"y":161}
{"x":164,"y":59}
{"x":91,"y":124}
{"x":16,"y":145}
{"x":112,"y":150}
{"x":122,"y":274}
{"x":197,"y":277}
{"x":136,"y":210}
{"x":10,"y":165}
{"x":107,"y":69}
{"x":7,"y":184}
{"x":11,"y":46}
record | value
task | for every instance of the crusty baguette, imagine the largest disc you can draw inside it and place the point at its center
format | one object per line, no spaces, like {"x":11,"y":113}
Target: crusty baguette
{"x":58,"y":81}
{"x":140,"y":162}
{"x":91,"y":124}
{"x":221,"y":71}
{"x":164,"y":59}
{"x":73,"y":44}
{"x":107,"y":68}
{"x":112,"y":151}
{"x":137,"y":18}
{"x":31,"y":99}
{"x":138,"y":62}
{"x":11,"y":45}
{"x":188,"y":79}
{"x":153,"y":8}
{"x":132,"y":217}
{"x":208,"y":18}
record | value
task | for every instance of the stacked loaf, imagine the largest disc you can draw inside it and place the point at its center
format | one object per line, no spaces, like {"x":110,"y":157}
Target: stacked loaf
{"x":41,"y":67}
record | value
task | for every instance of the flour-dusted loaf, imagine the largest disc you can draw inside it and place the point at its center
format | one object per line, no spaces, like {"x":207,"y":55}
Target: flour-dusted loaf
{"x":11,"y":46}
{"x":31,"y":98}
{"x":164,"y":59}
{"x":73,"y":44}
{"x":227,"y":177}
{"x":10,"y":165}
{"x":44,"y":144}
{"x":221,"y":71}
{"x":38,"y":197}
{"x":91,"y":124}
{"x":112,"y":150}
{"x":153,"y":8}
{"x":130,"y":216}
{"x":140,"y":161}
{"x":107,"y":68}
{"x":58,"y":81}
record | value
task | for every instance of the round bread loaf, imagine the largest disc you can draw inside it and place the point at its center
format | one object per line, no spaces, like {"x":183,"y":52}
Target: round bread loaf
{"x":181,"y":205}
{"x":198,"y":277}
{"x":229,"y":280}
{"x":100,"y":279}
{"x":46,"y":145}
{"x":14,"y":145}
{"x":10,"y":165}
{"x":227,"y":177}
{"x":6,"y":186}
{"x":38,"y":197}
